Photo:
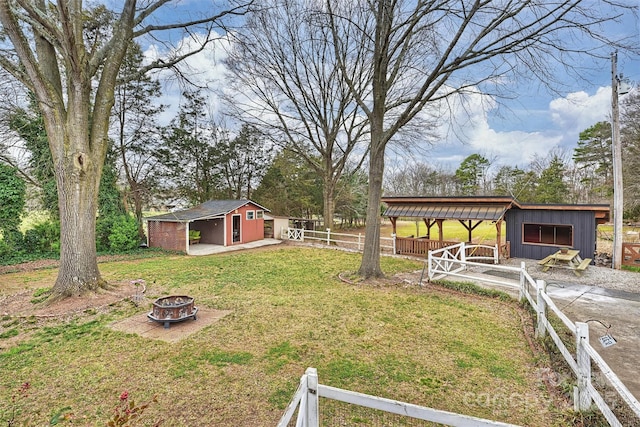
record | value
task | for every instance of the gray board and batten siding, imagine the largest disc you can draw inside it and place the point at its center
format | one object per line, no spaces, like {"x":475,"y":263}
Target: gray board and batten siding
{"x":583,"y":223}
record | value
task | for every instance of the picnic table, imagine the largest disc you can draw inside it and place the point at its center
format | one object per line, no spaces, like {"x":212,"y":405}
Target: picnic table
{"x":570,"y":259}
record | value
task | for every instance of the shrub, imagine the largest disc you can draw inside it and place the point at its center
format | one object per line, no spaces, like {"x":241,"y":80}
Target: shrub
{"x":124,"y":234}
{"x":5,"y":249}
{"x":43,"y":238}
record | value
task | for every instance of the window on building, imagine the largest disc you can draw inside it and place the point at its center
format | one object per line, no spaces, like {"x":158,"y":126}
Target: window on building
{"x":259,"y":214}
{"x":548,"y":234}
{"x":250,"y":215}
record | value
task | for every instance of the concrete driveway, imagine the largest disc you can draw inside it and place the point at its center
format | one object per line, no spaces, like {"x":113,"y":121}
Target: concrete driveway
{"x":601,"y":308}
{"x":596,"y":305}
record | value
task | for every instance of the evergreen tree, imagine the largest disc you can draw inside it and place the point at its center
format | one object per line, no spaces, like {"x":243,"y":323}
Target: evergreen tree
{"x":551,"y":186}
{"x":515,"y":182}
{"x":243,"y":161}
{"x":471,"y":175}
{"x":190,"y":153}
{"x":290,"y":187}
{"x":593,"y":157}
{"x":135,"y":131}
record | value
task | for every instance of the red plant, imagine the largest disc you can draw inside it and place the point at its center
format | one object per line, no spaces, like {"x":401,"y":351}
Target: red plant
{"x":127,"y":413}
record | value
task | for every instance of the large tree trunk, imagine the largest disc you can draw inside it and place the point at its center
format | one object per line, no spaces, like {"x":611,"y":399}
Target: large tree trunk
{"x":77,"y":193}
{"x":328,"y":208}
{"x":78,"y":158}
{"x":370,"y":266}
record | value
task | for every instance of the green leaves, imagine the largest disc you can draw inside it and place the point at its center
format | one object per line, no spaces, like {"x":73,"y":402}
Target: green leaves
{"x":12,"y":201}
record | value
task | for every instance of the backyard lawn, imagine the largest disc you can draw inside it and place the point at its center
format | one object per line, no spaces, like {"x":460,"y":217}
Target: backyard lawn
{"x":289,"y":311}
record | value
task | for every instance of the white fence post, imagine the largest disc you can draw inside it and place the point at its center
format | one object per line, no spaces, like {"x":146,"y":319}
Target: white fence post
{"x":328,"y":236}
{"x":313,"y":413}
{"x":463,"y":253}
{"x":541,"y":329}
{"x":393,"y":236}
{"x":521,"y":289}
{"x":581,"y":396}
{"x":359,"y":239}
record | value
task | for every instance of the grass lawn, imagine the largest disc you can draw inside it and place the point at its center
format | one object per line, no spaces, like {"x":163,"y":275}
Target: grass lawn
{"x":428,"y":346}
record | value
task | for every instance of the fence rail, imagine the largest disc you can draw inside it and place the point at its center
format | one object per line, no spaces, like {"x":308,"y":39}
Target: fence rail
{"x":396,"y":245}
{"x":328,"y":237}
{"x":451,"y":261}
{"x":306,"y":401}
{"x":631,"y":254}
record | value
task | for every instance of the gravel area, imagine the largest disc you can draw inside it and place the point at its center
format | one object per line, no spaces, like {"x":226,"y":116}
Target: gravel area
{"x":602,"y":277}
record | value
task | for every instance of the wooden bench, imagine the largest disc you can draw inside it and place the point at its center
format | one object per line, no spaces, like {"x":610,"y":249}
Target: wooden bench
{"x":583,"y":265}
{"x":545,"y":260}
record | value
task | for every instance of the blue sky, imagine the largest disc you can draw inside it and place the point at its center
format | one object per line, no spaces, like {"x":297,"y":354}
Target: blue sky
{"x":508,"y":132}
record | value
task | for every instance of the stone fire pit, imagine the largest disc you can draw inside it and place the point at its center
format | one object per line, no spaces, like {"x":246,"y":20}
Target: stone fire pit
{"x":174,"y":308}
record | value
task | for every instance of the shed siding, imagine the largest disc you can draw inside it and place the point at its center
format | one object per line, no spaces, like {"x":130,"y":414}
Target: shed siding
{"x":584,"y":231}
{"x":250,"y":230}
{"x":167,"y":235}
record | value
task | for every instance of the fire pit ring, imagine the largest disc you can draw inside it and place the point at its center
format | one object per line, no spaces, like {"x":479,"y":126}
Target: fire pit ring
{"x":174,"y":308}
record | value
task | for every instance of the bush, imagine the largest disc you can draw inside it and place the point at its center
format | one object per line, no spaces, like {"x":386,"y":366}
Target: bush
{"x":5,"y":249}
{"x":43,"y":238}
{"x":124,"y":234}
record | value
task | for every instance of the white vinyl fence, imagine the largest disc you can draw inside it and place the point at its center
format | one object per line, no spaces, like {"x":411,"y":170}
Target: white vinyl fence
{"x":328,"y":237}
{"x":451,"y":261}
{"x":306,"y":402}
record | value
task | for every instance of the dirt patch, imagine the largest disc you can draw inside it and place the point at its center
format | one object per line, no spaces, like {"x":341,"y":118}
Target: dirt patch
{"x":24,"y":304}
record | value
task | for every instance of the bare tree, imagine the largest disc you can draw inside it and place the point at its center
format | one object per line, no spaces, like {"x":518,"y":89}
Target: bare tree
{"x":284,"y":64}
{"x":630,"y":133}
{"x":69,"y":57}
{"x":422,"y":52}
{"x":419,"y":179}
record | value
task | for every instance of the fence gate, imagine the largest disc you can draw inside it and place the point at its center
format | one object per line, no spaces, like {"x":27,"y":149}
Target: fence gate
{"x":295,"y":234}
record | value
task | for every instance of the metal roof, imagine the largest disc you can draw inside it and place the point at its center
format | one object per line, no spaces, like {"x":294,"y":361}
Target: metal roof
{"x":206,"y":210}
{"x":490,"y":208}
{"x":443,"y":211}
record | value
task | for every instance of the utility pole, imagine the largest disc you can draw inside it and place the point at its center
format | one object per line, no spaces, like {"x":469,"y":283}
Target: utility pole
{"x":618,"y":201}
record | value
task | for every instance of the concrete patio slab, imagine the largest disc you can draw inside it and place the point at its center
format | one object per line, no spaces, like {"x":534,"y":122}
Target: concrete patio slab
{"x":207,"y":249}
{"x":141,"y":325}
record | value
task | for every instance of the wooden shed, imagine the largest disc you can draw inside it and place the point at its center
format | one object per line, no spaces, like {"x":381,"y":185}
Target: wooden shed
{"x":220,"y":222}
{"x":532,"y":230}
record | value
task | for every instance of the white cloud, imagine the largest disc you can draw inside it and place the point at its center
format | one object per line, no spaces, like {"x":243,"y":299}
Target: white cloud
{"x":579,"y":110}
{"x":559,"y":125}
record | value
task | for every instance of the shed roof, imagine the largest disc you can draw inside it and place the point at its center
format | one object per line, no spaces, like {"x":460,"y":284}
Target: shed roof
{"x":490,"y":208}
{"x":206,"y":210}
{"x":485,"y":212}
{"x":462,"y":208}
